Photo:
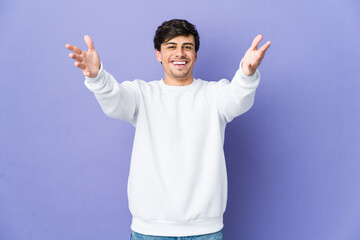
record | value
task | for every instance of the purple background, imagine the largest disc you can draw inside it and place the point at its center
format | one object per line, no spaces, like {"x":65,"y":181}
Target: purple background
{"x":293,"y":159}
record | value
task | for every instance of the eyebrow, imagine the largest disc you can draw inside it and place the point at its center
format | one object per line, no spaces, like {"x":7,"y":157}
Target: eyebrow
{"x":168,"y":43}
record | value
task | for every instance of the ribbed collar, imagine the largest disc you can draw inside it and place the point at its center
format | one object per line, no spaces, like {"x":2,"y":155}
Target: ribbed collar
{"x":164,"y":85}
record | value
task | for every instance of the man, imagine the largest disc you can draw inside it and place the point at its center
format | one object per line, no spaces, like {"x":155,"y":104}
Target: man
{"x":177,"y":183}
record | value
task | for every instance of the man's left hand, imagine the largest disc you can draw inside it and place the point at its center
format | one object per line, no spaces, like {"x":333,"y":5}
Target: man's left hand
{"x":254,"y":56}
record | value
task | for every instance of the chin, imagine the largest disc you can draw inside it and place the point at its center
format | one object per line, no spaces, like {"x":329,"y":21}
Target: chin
{"x":181,"y":76}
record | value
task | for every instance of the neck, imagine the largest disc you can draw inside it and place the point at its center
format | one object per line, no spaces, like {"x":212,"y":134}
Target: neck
{"x":178,"y":81}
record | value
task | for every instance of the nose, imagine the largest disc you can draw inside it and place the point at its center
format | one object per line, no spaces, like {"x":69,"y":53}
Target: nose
{"x":180,"y":52}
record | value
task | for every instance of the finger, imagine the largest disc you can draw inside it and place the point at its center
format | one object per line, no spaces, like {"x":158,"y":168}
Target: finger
{"x":80,"y":65}
{"x":76,"y":57}
{"x":68,"y":46}
{"x":89,"y":42}
{"x":265,"y":46}
{"x":73,"y":48}
{"x":256,"y":42}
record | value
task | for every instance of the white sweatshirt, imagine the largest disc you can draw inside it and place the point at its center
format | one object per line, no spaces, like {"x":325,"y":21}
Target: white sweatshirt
{"x":177,"y":183}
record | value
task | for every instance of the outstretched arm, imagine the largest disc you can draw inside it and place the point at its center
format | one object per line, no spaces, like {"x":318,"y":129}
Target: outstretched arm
{"x":237,"y":97}
{"x":117,"y":100}
{"x":88,"y":62}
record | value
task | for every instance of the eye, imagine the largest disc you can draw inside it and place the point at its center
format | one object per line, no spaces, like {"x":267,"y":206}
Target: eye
{"x":187,"y":47}
{"x":171,"y":47}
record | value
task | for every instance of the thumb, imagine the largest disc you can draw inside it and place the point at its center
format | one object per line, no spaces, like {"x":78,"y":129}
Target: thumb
{"x":89,"y":42}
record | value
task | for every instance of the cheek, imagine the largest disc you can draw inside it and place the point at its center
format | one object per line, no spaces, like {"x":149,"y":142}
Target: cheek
{"x":159,"y":57}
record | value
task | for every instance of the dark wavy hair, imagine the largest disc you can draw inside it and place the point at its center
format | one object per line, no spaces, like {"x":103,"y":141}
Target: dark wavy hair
{"x":173,"y":28}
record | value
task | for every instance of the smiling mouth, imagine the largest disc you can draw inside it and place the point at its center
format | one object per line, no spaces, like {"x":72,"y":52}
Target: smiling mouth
{"x":179,"y":64}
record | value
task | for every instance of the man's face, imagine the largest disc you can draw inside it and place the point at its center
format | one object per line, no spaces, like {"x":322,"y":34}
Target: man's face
{"x":178,"y":57}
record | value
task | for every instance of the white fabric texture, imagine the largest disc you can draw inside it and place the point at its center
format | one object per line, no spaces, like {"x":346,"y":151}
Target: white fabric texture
{"x":177,"y":182}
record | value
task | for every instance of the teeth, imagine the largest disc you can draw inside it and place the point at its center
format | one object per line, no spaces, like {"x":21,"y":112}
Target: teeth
{"x":179,"y":62}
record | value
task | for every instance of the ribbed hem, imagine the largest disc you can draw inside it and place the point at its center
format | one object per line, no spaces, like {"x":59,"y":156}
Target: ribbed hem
{"x":177,"y":229}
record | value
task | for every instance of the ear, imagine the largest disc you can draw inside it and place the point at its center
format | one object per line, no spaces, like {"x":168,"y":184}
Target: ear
{"x":158,"y":55}
{"x":195,"y":56}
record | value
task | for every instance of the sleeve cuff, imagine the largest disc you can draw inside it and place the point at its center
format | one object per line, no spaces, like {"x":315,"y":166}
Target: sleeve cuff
{"x":248,"y":79}
{"x":94,"y":79}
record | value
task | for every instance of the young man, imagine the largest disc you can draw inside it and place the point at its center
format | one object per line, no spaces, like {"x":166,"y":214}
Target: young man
{"x":178,"y":182}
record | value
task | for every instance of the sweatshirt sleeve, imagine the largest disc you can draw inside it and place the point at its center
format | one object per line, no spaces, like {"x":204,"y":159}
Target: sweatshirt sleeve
{"x":236,"y":97}
{"x":117,"y":100}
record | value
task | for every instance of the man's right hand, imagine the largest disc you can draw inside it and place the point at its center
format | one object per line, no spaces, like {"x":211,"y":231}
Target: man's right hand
{"x":88,"y":62}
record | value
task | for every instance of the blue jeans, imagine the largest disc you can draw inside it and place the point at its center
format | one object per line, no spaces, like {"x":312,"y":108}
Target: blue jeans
{"x":211,"y":236}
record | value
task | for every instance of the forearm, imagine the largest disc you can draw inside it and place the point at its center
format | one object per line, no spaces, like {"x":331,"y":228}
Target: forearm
{"x":237,"y":97}
{"x":116,"y":100}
